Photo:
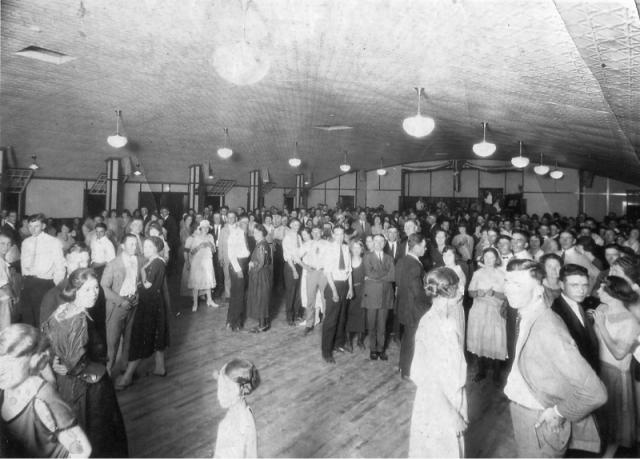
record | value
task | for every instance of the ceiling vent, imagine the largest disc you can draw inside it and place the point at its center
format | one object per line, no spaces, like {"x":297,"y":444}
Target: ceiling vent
{"x":45,"y":55}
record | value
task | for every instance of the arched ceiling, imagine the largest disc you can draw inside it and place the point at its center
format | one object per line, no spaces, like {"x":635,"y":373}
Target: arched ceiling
{"x":561,"y":76}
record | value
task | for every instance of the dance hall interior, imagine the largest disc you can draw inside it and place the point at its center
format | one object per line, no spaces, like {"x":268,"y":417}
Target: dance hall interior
{"x":320,"y":228}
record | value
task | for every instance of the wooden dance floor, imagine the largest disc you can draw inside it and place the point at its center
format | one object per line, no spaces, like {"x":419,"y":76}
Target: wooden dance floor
{"x":303,"y":407}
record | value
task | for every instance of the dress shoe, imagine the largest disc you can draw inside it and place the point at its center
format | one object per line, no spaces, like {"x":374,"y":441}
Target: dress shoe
{"x":308,"y":330}
{"x":339,"y":349}
{"x":383,"y":356}
{"x":255,"y":330}
{"x":329,"y":359}
{"x":373,"y":356}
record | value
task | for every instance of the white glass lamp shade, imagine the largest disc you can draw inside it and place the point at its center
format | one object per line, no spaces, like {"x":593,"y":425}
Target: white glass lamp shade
{"x":117,"y":141}
{"x":225,"y":152}
{"x":556,"y":174}
{"x":381,"y":171}
{"x":541,"y":169}
{"x":345,"y":167}
{"x":484,"y":149}
{"x":520,"y":161}
{"x":418,"y":126}
{"x":294,"y":162}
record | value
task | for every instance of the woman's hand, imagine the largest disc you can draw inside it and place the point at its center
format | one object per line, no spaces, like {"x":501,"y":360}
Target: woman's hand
{"x":58,"y":366}
{"x":461,"y":425}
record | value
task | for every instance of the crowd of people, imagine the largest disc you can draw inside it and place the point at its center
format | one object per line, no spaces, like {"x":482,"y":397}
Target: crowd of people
{"x":547,"y":304}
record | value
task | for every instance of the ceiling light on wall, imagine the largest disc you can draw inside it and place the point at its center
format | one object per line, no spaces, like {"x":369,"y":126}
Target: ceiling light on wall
{"x":210,"y":175}
{"x":34,"y":163}
{"x":137,"y":172}
{"x":225,"y":152}
{"x":295,"y":161}
{"x":541,"y":169}
{"x":345,"y":166}
{"x":484,"y":149}
{"x":520,"y":161}
{"x":556,"y":174}
{"x":117,"y":140}
{"x":418,"y":126}
{"x":381,"y":170}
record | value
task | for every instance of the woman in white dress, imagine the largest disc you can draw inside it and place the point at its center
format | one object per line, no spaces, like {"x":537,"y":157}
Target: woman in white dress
{"x":439,"y":371}
{"x":201,"y":275}
{"x":487,"y":328}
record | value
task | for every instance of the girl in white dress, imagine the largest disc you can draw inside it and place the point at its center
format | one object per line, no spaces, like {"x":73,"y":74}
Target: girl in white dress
{"x":201,"y":275}
{"x":487,"y":328}
{"x":439,"y":370}
{"x":237,"y":431}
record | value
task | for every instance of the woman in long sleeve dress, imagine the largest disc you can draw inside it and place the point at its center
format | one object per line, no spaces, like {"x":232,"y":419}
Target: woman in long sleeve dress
{"x":356,"y":315}
{"x":81,"y":377}
{"x":260,"y":280}
{"x":202,"y":278}
{"x":149,"y":334}
{"x":185,"y":232}
{"x":439,"y":370}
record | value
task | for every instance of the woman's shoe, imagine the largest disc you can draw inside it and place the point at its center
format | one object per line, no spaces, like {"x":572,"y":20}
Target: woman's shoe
{"x":213,"y":304}
{"x":194,"y":308}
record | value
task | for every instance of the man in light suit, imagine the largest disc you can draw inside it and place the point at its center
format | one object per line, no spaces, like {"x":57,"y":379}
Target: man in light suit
{"x":223,"y":251}
{"x":120,"y":281}
{"x":411,"y":299}
{"x":377,"y":298}
{"x":552,"y":388}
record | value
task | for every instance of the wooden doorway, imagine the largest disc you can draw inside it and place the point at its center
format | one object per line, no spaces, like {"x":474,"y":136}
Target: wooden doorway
{"x":176,"y":202}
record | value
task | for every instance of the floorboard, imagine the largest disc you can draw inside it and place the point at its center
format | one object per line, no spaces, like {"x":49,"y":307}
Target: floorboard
{"x":303,"y":407}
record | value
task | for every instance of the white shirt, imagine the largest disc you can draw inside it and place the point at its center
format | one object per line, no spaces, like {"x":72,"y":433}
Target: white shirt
{"x":575,"y":307}
{"x":102,"y":250}
{"x":236,"y":247}
{"x":129,"y":286}
{"x":331,"y":261}
{"x":393,"y":249}
{"x":42,"y":257}
{"x":311,"y":253}
{"x":523,"y":255}
{"x":291,"y":244}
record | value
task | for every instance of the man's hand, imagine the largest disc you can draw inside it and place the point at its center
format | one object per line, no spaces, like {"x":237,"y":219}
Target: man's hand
{"x":336,"y":298}
{"x":350,"y":294}
{"x":551,"y":418}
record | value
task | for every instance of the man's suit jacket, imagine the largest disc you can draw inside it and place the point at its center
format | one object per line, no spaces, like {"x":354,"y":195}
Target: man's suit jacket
{"x":584,"y":336}
{"x":173,"y":233}
{"x":378,"y":283}
{"x":557,"y":374}
{"x":361,"y":232}
{"x":400,"y":247}
{"x":412,"y":300}
{"x":112,"y":279}
{"x":11,"y":232}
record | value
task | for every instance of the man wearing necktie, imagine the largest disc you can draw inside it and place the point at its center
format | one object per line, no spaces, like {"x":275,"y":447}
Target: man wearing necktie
{"x":292,"y":270}
{"x":217,"y":263}
{"x":337,"y":269}
{"x":238,"y":255}
{"x":378,"y":295}
{"x":42,"y":265}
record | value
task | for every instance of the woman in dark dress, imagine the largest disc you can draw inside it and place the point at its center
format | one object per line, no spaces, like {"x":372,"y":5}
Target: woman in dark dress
{"x":149,"y":334}
{"x":260,"y":280}
{"x":356,"y":315}
{"x":81,"y":375}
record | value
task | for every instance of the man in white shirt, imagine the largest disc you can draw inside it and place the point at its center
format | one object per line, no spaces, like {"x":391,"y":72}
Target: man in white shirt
{"x":120,"y":283}
{"x":42,"y":264}
{"x":7,"y":294}
{"x":336,"y":264}
{"x":291,"y":244}
{"x":311,"y":257}
{"x":519,"y":245}
{"x":102,"y":250}
{"x":238,"y":256}
{"x":552,"y":389}
{"x":216,"y":230}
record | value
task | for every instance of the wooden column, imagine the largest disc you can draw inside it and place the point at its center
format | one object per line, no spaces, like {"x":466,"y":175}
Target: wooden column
{"x":298,"y":197}
{"x":114,"y":188}
{"x":255,"y":198}
{"x":194,"y":188}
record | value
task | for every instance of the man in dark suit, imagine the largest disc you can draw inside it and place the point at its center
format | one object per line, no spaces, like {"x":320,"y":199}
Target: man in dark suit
{"x":9,"y":227}
{"x":412,"y":300}
{"x":216,"y":229}
{"x":394,"y":247}
{"x":570,"y":306}
{"x":173,"y":236}
{"x":377,"y":298}
{"x":361,"y":226}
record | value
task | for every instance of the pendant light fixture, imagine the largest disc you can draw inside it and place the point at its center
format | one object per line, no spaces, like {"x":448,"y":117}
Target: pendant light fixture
{"x":34,"y":163}
{"x":418,"y":126}
{"x":541,"y":169}
{"x":345,"y":166}
{"x":381,"y":170}
{"x":210,"y":174}
{"x":117,"y":140}
{"x":225,"y":151}
{"x":556,"y":174}
{"x":484,"y":149}
{"x":137,"y":172}
{"x":520,"y":161}
{"x":295,"y":161}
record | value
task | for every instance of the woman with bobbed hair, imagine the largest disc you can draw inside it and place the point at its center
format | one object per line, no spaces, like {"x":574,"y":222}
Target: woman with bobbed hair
{"x":81,"y":378}
{"x":617,"y":330}
{"x":439,"y":371}
{"x":36,"y":422}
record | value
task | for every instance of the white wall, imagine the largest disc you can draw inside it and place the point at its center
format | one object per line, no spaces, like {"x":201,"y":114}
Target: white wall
{"x":55,"y":198}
